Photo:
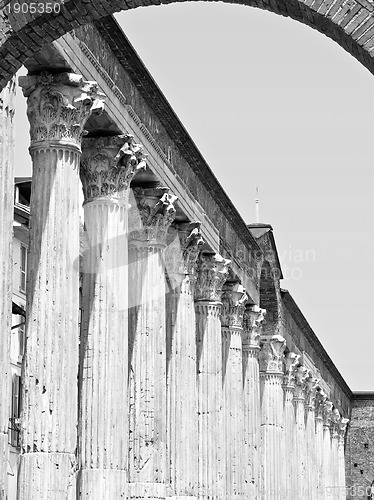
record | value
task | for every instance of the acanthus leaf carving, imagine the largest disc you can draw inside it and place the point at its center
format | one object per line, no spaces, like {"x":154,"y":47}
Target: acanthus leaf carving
{"x":301,"y":376}
{"x":182,"y":251}
{"x":234,"y":298}
{"x":342,"y":428}
{"x":327,"y":413}
{"x":212,"y":272}
{"x":108,"y":166}
{"x":58,"y":106}
{"x":310,"y":392}
{"x":321,"y":399}
{"x":253,"y":320}
{"x":152,"y":215}
{"x":271,"y":354}
{"x":290,"y":361}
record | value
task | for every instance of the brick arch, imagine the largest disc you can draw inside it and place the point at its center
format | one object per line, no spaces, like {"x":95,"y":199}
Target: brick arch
{"x":348,"y":22}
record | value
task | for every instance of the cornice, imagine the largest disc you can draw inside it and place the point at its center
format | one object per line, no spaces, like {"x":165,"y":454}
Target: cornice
{"x":110,"y":30}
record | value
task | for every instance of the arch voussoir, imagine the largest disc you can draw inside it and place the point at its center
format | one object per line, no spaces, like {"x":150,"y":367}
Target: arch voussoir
{"x":348,"y":22}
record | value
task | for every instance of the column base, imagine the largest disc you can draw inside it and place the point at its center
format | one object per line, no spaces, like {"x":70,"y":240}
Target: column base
{"x":102,"y":484}
{"x":3,"y":464}
{"x":44,"y":476}
{"x":151,"y":491}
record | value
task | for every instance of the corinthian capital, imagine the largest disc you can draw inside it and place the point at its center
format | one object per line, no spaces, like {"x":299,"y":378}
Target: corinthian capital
{"x":212,"y":272}
{"x":290,"y":361}
{"x":335,"y":422}
{"x":58,"y":106}
{"x":327,"y":413}
{"x":183,"y":249}
{"x":151,"y":216}
{"x":253,"y":319}
{"x":342,"y":428}
{"x":310,"y":392}
{"x":271,"y":354}
{"x":233,"y":305}
{"x":108,"y":166}
{"x":321,"y":398}
{"x":301,"y":376}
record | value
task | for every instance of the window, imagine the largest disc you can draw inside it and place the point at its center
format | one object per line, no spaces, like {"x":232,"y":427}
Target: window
{"x":21,"y":338}
{"x":23,"y":268}
{"x":14,"y":426}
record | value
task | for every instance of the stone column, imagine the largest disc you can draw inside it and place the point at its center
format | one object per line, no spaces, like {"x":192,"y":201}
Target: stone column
{"x":310,"y":433}
{"x":181,"y":259}
{"x":252,"y":321}
{"x":327,"y":476}
{"x":233,"y":304}
{"x":107,"y":168}
{"x":341,"y":459}
{"x":272,"y":419}
{"x":58,"y":107}
{"x":212,"y":273}
{"x":301,"y":375}
{"x":150,"y":219}
{"x":320,"y":402}
{"x":7,"y":109}
{"x":335,"y":422}
{"x":291,"y":361}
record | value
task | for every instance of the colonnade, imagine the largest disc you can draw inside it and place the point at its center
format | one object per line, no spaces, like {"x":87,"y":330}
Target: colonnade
{"x":180,"y":394}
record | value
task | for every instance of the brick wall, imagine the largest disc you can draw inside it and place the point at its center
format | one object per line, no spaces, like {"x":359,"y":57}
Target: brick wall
{"x":360,"y":447}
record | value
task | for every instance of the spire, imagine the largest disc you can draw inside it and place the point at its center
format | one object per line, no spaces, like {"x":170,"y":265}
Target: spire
{"x":257,"y":206}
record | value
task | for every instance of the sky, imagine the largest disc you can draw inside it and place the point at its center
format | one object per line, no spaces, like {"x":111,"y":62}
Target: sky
{"x":275,"y":104}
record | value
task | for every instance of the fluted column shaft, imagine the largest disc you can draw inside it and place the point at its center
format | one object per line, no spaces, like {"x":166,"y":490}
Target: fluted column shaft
{"x":212,"y":272}
{"x":290,"y":362}
{"x":150,"y":217}
{"x":334,"y":454}
{"x":7,"y":108}
{"x":58,"y":107}
{"x":327,"y":460}
{"x":310,"y":432}
{"x":319,"y":457}
{"x":253,"y":318}
{"x":289,"y":436}
{"x":341,"y":459}
{"x":301,"y":375}
{"x":320,"y":401}
{"x":181,"y":256}
{"x":272,"y":419}
{"x":103,"y":411}
{"x":311,"y":453}
{"x":233,"y":303}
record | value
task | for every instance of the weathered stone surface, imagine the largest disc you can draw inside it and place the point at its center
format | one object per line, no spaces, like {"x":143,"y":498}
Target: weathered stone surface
{"x":181,"y":259}
{"x":212,"y":273}
{"x":58,"y":107}
{"x":359,"y":457}
{"x":108,"y":165}
{"x":290,"y":361}
{"x":272,"y":415}
{"x":301,"y":375}
{"x":252,"y":462}
{"x":150,"y":219}
{"x":234,"y":298}
{"x":7,"y":108}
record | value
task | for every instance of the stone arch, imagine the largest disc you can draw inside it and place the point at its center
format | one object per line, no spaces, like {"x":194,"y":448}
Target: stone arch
{"x":350,"y":23}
